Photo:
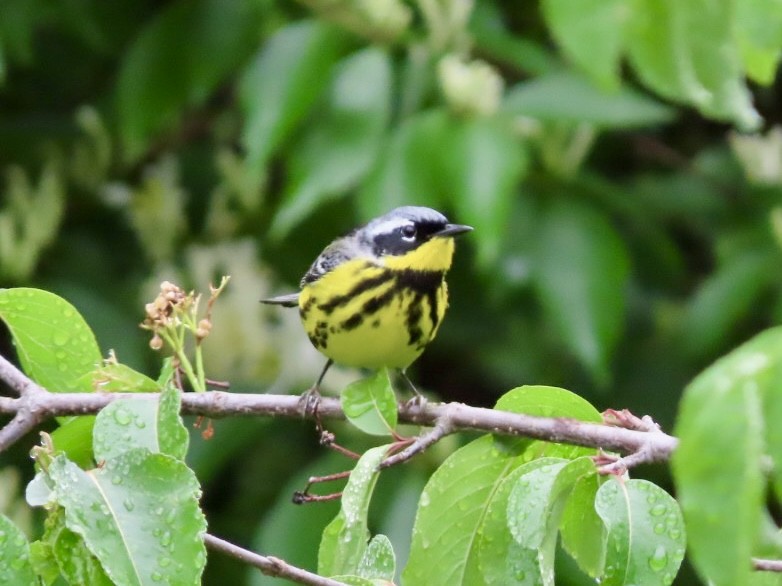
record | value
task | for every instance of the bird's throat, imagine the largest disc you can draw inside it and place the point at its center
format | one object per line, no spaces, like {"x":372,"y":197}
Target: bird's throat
{"x":435,"y":255}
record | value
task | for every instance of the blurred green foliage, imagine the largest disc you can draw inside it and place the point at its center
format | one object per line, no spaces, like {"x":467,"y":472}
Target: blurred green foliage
{"x":626,"y":234}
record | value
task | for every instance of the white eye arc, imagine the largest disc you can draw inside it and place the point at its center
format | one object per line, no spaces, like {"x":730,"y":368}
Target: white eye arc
{"x":408,"y":232}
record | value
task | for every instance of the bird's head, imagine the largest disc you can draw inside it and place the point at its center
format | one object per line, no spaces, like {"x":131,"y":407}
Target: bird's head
{"x":413,"y":237}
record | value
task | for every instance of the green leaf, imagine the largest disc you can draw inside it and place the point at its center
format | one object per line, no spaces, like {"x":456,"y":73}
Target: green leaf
{"x":581,"y":530}
{"x":167,"y":372}
{"x":379,"y":561}
{"x":772,"y":413}
{"x":177,"y":61}
{"x":341,"y":145}
{"x":482,"y":164}
{"x":43,"y":562}
{"x":408,"y":169}
{"x":359,"y":581}
{"x":759,"y":35}
{"x":370,"y":404}
{"x":685,"y":51}
{"x":645,"y":533}
{"x":591,"y":34}
{"x":501,"y":558}
{"x":138,"y":515}
{"x":718,"y":463}
{"x":536,"y":502}
{"x":15,"y":565}
{"x":452,"y":509}
{"x":39,"y":490}
{"x":55,"y":345}
{"x":491,"y":36}
{"x":74,"y":560}
{"x":282,"y":84}
{"x":143,"y":422}
{"x":120,"y":378}
{"x":344,"y":540}
{"x":74,"y":437}
{"x":724,"y":298}
{"x":566,"y":97}
{"x":58,"y":350}
{"x":545,"y":401}
{"x":173,"y":437}
{"x":580,"y":273}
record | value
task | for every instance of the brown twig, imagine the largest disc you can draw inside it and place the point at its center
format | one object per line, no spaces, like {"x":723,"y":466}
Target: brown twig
{"x":442,"y":427}
{"x":301,"y":497}
{"x":646,"y":453}
{"x":271,"y":566}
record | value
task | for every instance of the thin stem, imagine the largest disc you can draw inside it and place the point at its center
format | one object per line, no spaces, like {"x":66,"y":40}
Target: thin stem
{"x":200,"y":373}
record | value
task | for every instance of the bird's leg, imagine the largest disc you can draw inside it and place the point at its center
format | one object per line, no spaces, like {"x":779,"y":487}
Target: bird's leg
{"x":329,"y":362}
{"x":310,"y":399}
{"x":311,"y":402}
{"x":418,"y":399}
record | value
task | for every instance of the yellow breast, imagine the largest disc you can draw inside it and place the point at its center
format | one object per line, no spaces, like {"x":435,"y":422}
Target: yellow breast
{"x":365,"y":315}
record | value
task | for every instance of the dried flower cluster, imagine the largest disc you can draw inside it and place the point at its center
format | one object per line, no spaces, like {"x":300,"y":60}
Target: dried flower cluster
{"x":167,"y":311}
{"x":173,"y":319}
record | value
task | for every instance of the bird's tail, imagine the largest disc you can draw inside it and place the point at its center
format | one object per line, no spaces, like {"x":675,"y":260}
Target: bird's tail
{"x":290,"y":300}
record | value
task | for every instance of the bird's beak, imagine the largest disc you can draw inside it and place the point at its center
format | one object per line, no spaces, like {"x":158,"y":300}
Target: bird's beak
{"x":453,"y":230}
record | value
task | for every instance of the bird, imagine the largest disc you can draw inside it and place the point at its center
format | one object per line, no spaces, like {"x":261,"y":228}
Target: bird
{"x":375,"y":297}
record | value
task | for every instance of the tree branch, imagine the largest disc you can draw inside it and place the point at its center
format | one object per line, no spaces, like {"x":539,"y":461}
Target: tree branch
{"x":16,"y":429}
{"x":29,"y":410}
{"x":36,"y":404}
{"x":270,"y":566}
{"x":13,"y":377}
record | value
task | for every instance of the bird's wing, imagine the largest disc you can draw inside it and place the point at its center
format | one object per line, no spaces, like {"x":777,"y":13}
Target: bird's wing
{"x":289,"y":300}
{"x":333,"y":255}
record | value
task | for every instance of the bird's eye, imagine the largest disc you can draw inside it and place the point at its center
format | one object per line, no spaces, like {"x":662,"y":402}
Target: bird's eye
{"x":408,"y":232}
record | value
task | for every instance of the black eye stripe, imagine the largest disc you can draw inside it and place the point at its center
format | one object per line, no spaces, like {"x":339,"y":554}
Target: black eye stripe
{"x":398,"y":241}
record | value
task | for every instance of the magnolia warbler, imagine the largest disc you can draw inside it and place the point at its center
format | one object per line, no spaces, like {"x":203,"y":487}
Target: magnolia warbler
{"x":375,"y":297}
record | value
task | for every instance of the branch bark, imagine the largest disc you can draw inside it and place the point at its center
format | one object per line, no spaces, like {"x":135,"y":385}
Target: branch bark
{"x":36,"y":404}
{"x":271,"y":566}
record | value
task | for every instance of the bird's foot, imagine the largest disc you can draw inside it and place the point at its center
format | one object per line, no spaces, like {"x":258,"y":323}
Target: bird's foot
{"x":309,"y":402}
{"x":418,"y":401}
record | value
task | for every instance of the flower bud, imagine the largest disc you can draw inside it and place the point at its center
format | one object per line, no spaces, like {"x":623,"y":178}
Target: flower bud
{"x":156,"y":343}
{"x":473,"y":88}
{"x":203,"y":329}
